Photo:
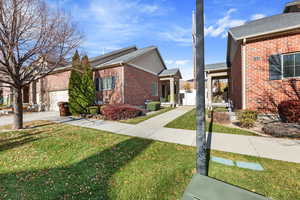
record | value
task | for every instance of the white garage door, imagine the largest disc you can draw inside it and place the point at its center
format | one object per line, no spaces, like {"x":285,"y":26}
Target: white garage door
{"x":58,"y":96}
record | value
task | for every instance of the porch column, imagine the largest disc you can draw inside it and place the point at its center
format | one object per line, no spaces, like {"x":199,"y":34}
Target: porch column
{"x":178,"y":91}
{"x":39,"y":94}
{"x":172,"y":91}
{"x":209,"y":91}
{"x":11,"y":97}
{"x":32,"y":93}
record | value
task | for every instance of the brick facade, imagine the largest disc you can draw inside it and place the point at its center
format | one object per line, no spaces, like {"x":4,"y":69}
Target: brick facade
{"x":235,"y":80}
{"x":114,"y":96}
{"x":260,"y":92}
{"x":133,"y":86}
{"x":137,"y":86}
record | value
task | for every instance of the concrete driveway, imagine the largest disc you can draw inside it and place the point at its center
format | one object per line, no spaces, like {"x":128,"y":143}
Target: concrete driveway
{"x":50,"y":116}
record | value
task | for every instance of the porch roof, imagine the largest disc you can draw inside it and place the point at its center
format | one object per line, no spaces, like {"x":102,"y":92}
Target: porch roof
{"x":171,"y":72}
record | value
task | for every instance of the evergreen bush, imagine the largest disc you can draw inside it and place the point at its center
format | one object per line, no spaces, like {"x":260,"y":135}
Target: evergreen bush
{"x":82,"y":92}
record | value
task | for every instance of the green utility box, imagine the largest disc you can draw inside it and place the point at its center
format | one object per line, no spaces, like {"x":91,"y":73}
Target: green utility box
{"x":205,"y":188}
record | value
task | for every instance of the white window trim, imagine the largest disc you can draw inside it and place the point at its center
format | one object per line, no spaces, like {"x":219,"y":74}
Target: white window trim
{"x":101,"y":84}
{"x":156,"y":92}
{"x":282,"y":72}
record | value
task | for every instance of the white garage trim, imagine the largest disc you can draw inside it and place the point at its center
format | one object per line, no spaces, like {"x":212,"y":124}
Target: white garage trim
{"x":57,"y":96}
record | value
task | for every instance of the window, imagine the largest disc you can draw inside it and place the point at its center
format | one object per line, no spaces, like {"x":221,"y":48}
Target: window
{"x":291,"y":65}
{"x":106,"y":83}
{"x":154,"y":91}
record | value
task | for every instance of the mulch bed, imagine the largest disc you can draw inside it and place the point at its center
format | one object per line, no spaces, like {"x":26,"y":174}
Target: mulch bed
{"x":285,"y":130}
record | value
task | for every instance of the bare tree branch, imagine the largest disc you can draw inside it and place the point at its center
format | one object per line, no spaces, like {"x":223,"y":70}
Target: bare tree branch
{"x":34,"y":41}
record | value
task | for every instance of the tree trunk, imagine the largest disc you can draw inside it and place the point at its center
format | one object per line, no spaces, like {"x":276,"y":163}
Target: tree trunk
{"x":18,"y":109}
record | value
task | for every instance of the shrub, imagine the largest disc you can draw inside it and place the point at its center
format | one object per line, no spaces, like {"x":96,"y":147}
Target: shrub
{"x":94,"y":110}
{"x":289,"y":111}
{"x":82,"y":92}
{"x":247,"y":118}
{"x":120,"y":112}
{"x":153,"y":106}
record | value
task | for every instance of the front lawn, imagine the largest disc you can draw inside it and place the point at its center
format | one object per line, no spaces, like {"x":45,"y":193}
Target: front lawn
{"x":66,"y":162}
{"x":146,"y":117}
{"x":188,"y":122}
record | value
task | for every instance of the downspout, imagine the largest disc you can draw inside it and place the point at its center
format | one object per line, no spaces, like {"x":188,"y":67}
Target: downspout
{"x":244,"y":64}
{"x":123,"y":84}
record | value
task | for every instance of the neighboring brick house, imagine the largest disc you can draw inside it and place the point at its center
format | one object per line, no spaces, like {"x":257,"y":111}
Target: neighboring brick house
{"x":126,"y":76}
{"x":263,"y":57}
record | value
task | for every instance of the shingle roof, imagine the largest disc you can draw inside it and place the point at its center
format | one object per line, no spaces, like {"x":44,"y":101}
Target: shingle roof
{"x":170,"y":72}
{"x":128,"y":57}
{"x":267,"y":25}
{"x":95,"y":61}
{"x":215,"y":66}
{"x":292,"y":3}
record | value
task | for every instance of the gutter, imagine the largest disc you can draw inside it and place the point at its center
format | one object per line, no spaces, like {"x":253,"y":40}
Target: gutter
{"x":264,"y":33}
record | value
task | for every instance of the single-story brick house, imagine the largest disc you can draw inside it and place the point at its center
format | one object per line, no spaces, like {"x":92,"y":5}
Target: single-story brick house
{"x":263,"y":56}
{"x":126,"y":76}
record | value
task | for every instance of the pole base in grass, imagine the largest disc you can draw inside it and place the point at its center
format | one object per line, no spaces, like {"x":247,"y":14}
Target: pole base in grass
{"x":206,"y":188}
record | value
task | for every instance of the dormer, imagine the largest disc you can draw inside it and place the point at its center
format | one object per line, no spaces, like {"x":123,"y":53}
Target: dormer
{"x":293,"y":6}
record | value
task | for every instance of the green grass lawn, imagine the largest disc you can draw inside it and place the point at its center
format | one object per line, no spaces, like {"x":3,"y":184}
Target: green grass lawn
{"x":188,"y":122}
{"x":66,"y":162}
{"x":146,"y":117}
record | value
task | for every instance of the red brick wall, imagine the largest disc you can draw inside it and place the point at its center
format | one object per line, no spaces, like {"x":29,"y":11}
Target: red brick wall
{"x":138,"y":86}
{"x":259,"y":89}
{"x":57,"y":82}
{"x":112,"y":96}
{"x":235,"y":80}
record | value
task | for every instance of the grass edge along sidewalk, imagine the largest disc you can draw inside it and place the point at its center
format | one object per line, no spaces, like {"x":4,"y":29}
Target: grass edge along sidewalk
{"x":57,"y":160}
{"x":188,"y":122}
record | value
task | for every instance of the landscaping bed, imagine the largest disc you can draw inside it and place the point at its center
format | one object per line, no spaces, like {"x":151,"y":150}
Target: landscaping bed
{"x":67,"y":162}
{"x":285,"y":130}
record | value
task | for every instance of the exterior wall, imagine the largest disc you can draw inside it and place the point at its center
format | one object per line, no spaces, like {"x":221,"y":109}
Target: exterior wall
{"x":259,"y":89}
{"x":51,"y":83}
{"x":116,"y":95}
{"x":137,"y":87}
{"x":150,"y":60}
{"x":57,"y":82}
{"x":235,"y":79}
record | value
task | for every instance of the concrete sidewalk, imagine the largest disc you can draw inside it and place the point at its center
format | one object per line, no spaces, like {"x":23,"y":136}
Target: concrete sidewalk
{"x":277,"y":149}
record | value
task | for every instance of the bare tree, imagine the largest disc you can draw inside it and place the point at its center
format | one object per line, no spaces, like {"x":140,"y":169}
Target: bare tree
{"x":34,"y":40}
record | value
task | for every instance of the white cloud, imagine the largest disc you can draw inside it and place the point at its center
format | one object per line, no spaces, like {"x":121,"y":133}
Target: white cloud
{"x":178,"y":34}
{"x":257,"y":16}
{"x":111,"y":23}
{"x":223,"y":24}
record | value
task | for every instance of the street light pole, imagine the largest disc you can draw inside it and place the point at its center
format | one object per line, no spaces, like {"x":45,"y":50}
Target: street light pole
{"x":200,"y":88}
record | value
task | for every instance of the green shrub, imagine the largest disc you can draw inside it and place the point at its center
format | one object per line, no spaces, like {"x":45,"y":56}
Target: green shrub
{"x":247,"y":118}
{"x":94,"y":110}
{"x":153,"y":106}
{"x":82,"y":91}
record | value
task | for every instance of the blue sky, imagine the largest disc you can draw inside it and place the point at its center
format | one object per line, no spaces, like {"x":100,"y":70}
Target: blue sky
{"x":113,"y":24}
